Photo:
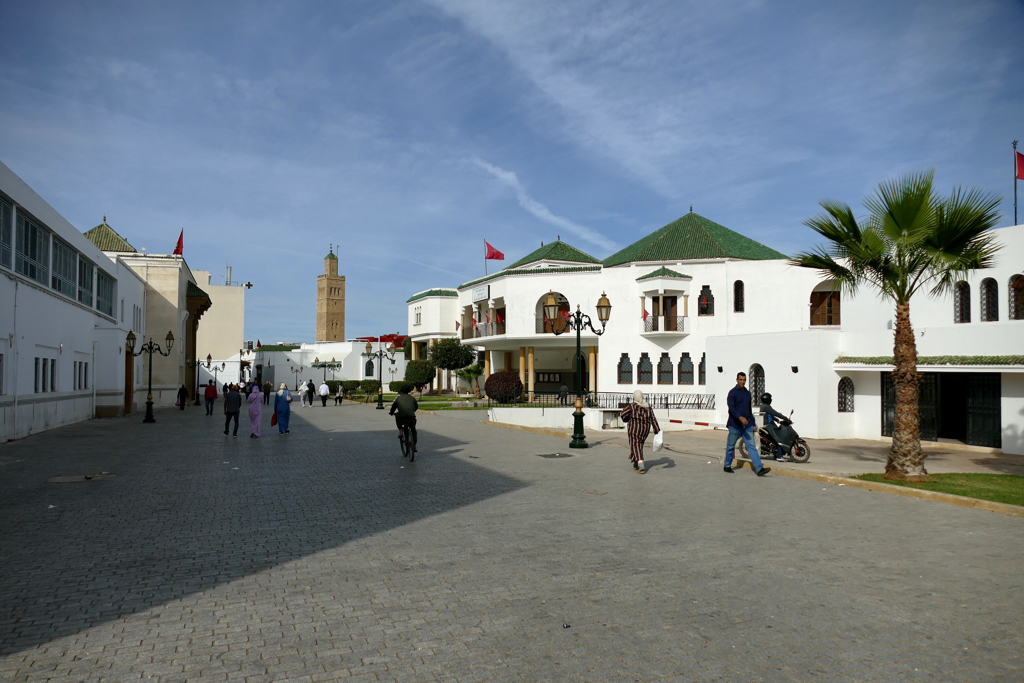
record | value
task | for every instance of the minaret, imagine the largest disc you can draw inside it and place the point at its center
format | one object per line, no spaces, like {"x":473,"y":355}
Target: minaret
{"x":330,"y":301}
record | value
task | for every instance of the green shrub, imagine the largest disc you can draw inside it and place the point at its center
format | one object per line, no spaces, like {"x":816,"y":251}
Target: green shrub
{"x":333,"y":385}
{"x":350,"y":385}
{"x":397,"y":385}
{"x":504,"y":386}
{"x":420,"y":372}
{"x":369,"y":386}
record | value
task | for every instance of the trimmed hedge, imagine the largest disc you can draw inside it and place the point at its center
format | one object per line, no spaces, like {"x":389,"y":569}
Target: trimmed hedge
{"x":334,"y":385}
{"x":350,"y":385}
{"x":397,"y":386}
{"x":504,"y":386}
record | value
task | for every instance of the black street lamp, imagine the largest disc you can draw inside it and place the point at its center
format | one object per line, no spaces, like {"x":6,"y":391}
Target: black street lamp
{"x":578,"y":321}
{"x":215,"y":369}
{"x":297,"y":371}
{"x":195,"y":364}
{"x":149,"y":347}
{"x":381,"y":354}
{"x":332,"y":365}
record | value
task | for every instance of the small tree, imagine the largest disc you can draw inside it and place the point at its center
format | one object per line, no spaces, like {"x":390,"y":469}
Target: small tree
{"x":420,"y":372}
{"x":407,"y":347}
{"x":348,"y":386}
{"x":471,"y":375}
{"x":450,"y":354}
{"x":370,"y":386}
{"x":504,"y":386}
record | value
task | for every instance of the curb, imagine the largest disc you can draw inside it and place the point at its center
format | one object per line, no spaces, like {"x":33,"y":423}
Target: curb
{"x":905,"y":491}
{"x":534,"y":430}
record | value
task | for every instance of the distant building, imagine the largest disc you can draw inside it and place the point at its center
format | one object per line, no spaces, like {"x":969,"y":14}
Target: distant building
{"x":66,"y":309}
{"x":330,"y":302}
{"x":221,"y":335}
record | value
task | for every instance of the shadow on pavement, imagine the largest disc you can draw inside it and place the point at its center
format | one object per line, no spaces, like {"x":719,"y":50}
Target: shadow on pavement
{"x":178,"y":518}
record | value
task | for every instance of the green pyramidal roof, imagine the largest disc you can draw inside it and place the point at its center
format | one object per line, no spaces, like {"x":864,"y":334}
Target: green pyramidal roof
{"x":555,"y":251}
{"x":331,"y":256}
{"x":662,"y":272}
{"x":692,"y":237}
{"x":106,"y":239}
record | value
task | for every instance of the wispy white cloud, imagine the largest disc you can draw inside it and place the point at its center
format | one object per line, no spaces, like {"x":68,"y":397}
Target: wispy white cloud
{"x":541,"y":212}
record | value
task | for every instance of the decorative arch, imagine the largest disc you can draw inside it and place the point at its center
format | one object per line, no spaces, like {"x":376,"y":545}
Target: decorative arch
{"x":1015,"y":288}
{"x":685,"y":369}
{"x":756,"y":379}
{"x":737,"y":297}
{"x":961,"y":302}
{"x":549,"y":326}
{"x":845,"y":395}
{"x":706,"y":301}
{"x":645,"y":370}
{"x":625,"y":369}
{"x":989,"y":300}
{"x":825,"y":305}
{"x":664,"y":369}
{"x":368,"y":370}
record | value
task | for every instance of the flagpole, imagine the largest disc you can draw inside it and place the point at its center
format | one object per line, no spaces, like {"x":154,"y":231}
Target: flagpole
{"x":485,"y":241}
{"x":1015,"y":182}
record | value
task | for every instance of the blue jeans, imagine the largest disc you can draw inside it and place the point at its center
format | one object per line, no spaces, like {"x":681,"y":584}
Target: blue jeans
{"x":748,"y":438}
{"x":209,"y":406}
{"x":227,"y":422}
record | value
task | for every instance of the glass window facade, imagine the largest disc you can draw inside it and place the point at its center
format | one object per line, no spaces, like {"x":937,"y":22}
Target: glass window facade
{"x":6,"y":217}
{"x":32,"y":250}
{"x":104,"y":293}
{"x":85,"y":271}
{"x":65,"y":267}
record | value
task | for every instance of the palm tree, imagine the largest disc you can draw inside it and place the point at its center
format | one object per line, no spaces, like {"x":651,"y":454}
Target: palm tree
{"x":910,"y":240}
{"x":471,"y":374}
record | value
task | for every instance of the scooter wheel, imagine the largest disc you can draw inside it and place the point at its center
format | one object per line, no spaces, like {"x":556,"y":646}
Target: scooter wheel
{"x":800,"y":452}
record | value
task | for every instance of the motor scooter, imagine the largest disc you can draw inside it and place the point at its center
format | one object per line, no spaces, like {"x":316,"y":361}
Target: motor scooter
{"x":785,"y":438}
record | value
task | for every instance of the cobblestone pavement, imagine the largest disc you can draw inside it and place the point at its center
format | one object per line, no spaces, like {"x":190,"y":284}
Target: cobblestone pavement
{"x":324,"y":556}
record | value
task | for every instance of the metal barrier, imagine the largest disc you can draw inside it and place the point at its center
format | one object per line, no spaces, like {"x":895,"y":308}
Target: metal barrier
{"x":605,"y":400}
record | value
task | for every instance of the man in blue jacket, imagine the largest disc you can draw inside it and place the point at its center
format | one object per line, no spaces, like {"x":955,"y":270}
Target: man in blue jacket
{"x":741,"y":424}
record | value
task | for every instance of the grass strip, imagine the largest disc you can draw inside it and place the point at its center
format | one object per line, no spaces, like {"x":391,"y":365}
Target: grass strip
{"x":998,"y":488}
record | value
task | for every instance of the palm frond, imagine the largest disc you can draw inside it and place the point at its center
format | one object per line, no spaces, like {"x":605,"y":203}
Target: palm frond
{"x":843,"y":279}
{"x":903,"y":208}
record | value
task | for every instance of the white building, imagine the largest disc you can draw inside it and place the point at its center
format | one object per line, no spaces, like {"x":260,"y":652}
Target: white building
{"x":694,"y":303}
{"x":67,"y":308}
{"x":340,"y":361}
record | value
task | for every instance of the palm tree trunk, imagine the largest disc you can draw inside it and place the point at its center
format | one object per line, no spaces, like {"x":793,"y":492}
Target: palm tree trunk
{"x":906,"y":459}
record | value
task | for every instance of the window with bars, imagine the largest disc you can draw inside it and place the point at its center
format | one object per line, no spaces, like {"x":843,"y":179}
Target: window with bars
{"x":64,"y":266}
{"x":645,"y":370}
{"x":104,"y":293}
{"x":665,"y":369}
{"x":989,"y":300}
{"x":706,"y":301}
{"x":6,"y":216}
{"x":756,"y":379}
{"x":961,"y":303}
{"x":85,"y":272}
{"x":1015,"y":287}
{"x":685,"y":369}
{"x":32,"y":250}
{"x":368,"y":370}
{"x":846,"y":395}
{"x":702,"y":374}
{"x":625,"y":371}
{"x":737,"y":296}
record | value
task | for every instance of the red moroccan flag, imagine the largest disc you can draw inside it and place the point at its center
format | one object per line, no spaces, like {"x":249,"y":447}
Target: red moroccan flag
{"x":488,"y":318}
{"x":645,"y":315}
{"x":1020,"y":166}
{"x":498,"y":316}
{"x":457,"y":325}
{"x":492,"y":253}
{"x":181,"y":244}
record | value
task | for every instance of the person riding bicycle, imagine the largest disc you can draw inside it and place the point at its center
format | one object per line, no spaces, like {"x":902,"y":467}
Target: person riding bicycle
{"x":404,"y":409}
{"x":769,"y":424}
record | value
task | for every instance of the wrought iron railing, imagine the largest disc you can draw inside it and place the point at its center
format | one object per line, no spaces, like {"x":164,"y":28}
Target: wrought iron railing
{"x":607,"y":400}
{"x":546,"y":326}
{"x":483,"y":330}
{"x":671,"y":323}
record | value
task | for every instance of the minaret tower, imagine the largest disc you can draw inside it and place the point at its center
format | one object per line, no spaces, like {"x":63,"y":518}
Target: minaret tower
{"x":330,"y":301}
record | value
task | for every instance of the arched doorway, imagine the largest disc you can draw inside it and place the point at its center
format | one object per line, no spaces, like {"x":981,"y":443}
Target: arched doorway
{"x":545,"y":326}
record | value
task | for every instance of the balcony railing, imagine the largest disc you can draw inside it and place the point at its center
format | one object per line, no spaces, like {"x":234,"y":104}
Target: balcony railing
{"x":483,"y":330}
{"x":545,"y":326}
{"x":671,"y":324}
{"x":606,"y":400}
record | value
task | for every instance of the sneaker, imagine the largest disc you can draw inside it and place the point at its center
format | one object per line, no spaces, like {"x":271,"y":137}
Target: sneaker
{"x":225,"y":432}
{"x":763,"y":471}
{"x":728,"y":469}
{"x":235,"y":435}
{"x":641,"y":467}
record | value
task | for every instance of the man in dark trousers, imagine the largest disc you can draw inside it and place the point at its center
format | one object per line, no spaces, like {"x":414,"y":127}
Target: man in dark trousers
{"x":404,"y":409}
{"x":232,"y":406}
{"x":741,"y":425}
{"x":210,"y":394}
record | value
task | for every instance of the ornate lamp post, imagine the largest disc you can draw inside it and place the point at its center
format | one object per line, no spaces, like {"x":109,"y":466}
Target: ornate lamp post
{"x":195,"y":364}
{"x":381,"y":354}
{"x":297,"y":371}
{"x":214,"y":369}
{"x":149,"y":347}
{"x":578,"y":321}
{"x":331,"y":365}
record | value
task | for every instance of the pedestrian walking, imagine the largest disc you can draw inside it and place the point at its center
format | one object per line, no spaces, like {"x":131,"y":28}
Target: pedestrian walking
{"x":255,"y":411}
{"x":268,"y":391}
{"x":210,"y":394}
{"x":232,"y":407}
{"x":563,"y":394}
{"x":639,"y":418}
{"x":303,"y":394}
{"x":310,"y":391}
{"x":741,"y":425}
{"x":325,"y":391}
{"x":182,"y":397}
{"x":283,"y":408}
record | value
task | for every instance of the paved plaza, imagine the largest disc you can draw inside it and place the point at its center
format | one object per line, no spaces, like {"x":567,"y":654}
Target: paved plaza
{"x":323,"y":556}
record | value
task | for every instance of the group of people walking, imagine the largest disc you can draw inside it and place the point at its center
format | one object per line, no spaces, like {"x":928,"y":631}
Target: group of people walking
{"x":255,"y":396}
{"x":307,"y":392}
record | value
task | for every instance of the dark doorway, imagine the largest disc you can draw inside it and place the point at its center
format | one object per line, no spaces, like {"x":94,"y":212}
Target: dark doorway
{"x":984,"y":414}
{"x":953,"y":405}
{"x":953,"y":388}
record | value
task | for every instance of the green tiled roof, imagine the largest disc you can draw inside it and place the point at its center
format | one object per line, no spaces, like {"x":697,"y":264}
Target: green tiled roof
{"x":268,"y":348}
{"x":106,"y":239}
{"x":936,"y":360}
{"x":331,"y":255}
{"x":194,"y":290}
{"x":432,"y":292}
{"x":554,"y":251}
{"x":663,"y":272}
{"x":531,"y":271}
{"x":692,"y":237}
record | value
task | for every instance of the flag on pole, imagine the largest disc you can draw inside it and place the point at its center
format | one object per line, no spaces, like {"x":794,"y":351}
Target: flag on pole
{"x":473,"y":321}
{"x":1020,"y":165}
{"x":457,"y":325}
{"x":180,"y":246}
{"x":646,"y":314}
{"x":258,"y":345}
{"x":492,"y":253}
{"x":488,"y":318}
{"x":498,"y":316}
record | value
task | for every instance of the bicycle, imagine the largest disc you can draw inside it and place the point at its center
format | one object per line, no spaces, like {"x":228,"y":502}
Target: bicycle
{"x":405,"y":442}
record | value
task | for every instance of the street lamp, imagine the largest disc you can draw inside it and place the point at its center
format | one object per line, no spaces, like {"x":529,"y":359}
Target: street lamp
{"x":297,"y":371}
{"x":381,"y":354}
{"x":149,"y":347}
{"x":332,"y":365}
{"x":215,"y":369}
{"x":195,"y":364}
{"x":578,"y":321}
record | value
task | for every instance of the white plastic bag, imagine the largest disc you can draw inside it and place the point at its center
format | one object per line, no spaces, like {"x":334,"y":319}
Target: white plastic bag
{"x":659,"y":441}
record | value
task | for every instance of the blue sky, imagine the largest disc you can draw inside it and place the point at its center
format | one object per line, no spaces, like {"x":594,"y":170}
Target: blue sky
{"x":409,"y":132}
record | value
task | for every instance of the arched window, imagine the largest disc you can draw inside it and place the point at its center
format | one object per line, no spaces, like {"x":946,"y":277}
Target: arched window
{"x":644,"y":370}
{"x":685,"y":369}
{"x":989,"y":300}
{"x":545,"y":326}
{"x":702,"y":369}
{"x":369,"y":369}
{"x":625,"y":369}
{"x":825,"y":305}
{"x":846,"y":395}
{"x":737,"y":296}
{"x":756,"y":379}
{"x":665,"y":369}
{"x":1015,"y":287}
{"x":706,"y":301}
{"x":961,"y":302}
